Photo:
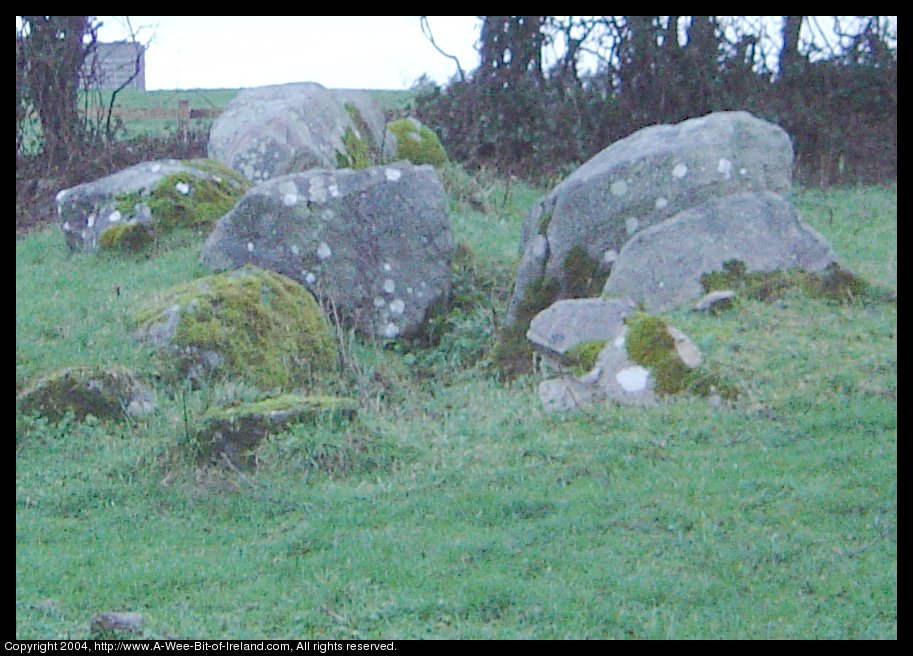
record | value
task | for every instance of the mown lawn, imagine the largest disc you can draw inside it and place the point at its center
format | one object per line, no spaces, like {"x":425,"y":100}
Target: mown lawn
{"x":454,"y":507}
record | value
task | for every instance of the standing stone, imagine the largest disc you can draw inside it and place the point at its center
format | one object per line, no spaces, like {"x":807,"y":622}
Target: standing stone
{"x":642,"y":180}
{"x":376,"y":243}
{"x":274,"y":130}
{"x":662,"y":266}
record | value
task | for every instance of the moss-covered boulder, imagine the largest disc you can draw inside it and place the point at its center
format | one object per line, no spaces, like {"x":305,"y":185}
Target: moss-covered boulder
{"x":235,"y":431}
{"x":125,"y":210}
{"x":257,"y":325}
{"x":110,"y":393}
{"x":410,"y":140}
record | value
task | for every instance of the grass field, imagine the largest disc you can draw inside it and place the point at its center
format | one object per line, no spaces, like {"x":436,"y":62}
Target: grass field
{"x":454,"y":507}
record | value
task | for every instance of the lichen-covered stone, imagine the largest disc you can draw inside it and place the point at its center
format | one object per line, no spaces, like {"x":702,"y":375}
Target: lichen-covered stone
{"x":274,"y":130}
{"x":112,"y":393}
{"x":642,"y":180}
{"x":377,"y":243}
{"x":257,"y":325}
{"x":662,"y":266}
{"x":235,"y":431}
{"x":150,"y":198}
{"x":415,"y":142}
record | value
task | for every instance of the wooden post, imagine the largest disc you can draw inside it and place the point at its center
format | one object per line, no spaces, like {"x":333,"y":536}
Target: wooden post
{"x":183,"y":118}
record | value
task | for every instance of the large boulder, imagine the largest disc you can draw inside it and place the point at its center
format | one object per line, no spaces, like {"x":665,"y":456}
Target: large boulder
{"x":661,"y":267}
{"x":123,"y":210}
{"x":270,"y":131}
{"x":574,"y":234}
{"x":376,"y":243}
{"x":256,"y":325}
{"x":111,"y":393}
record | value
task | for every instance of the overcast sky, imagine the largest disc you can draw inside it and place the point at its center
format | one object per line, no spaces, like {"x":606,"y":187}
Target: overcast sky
{"x":362,"y":52}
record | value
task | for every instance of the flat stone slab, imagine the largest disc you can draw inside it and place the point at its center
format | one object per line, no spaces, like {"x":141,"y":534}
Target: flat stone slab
{"x":564,"y":324}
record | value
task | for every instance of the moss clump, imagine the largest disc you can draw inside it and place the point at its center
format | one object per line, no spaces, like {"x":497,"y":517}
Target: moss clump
{"x":583,"y":279}
{"x":417,"y":143}
{"x":513,"y":354}
{"x":265,"y":328}
{"x":834,"y":283}
{"x":650,"y":345}
{"x":358,"y":153}
{"x":581,"y":358}
{"x":105,"y":393}
{"x":237,"y":430}
{"x":130,"y":236}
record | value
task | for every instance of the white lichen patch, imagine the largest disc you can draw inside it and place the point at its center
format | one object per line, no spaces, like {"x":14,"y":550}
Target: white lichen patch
{"x":743,"y":171}
{"x":182,"y":188}
{"x":323,"y":250}
{"x":66,"y":225}
{"x":631,"y":225}
{"x":334,"y":190}
{"x":389,"y":286}
{"x":387,"y":266}
{"x":610,"y":256}
{"x":250,"y":247}
{"x":540,"y":246}
{"x":619,"y":341}
{"x":725,"y":167}
{"x":114,"y":217}
{"x":290,"y":200}
{"x":661,"y":203}
{"x":295,"y":250}
{"x":379,"y":302}
{"x":391,"y":330}
{"x":633,"y":379}
{"x":409,"y":290}
{"x":90,"y":221}
{"x":156,"y":168}
{"x":398,"y":306}
{"x":393,"y":174}
{"x":680,"y":171}
{"x":619,"y":188}
{"x":310,"y":278}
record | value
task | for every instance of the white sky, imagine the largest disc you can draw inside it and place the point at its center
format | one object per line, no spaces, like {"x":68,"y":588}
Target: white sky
{"x":359,"y":52}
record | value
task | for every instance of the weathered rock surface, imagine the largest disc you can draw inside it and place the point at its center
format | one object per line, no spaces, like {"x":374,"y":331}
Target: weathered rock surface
{"x":111,"y":393}
{"x":270,"y":131}
{"x":235,"y":431}
{"x":256,"y":325}
{"x":565,"y":324}
{"x":377,"y":242}
{"x":642,"y":180}
{"x":661,"y":266}
{"x":147,"y":195}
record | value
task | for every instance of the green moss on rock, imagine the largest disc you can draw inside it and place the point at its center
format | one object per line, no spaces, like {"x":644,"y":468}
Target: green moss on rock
{"x":650,"y":345}
{"x":130,"y":236}
{"x":834,"y":283}
{"x":358,"y":152}
{"x":581,"y":358}
{"x":417,"y":143}
{"x":109,"y":393}
{"x":237,"y":430}
{"x":263,"y":327}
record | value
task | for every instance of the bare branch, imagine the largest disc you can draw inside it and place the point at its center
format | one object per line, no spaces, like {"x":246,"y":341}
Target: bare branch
{"x":426,"y":30}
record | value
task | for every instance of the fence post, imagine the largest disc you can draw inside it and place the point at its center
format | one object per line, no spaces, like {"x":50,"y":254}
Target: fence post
{"x":183,"y":118}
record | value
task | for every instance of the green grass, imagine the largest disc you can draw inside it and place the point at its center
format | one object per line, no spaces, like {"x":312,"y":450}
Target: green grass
{"x":454,"y":507}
